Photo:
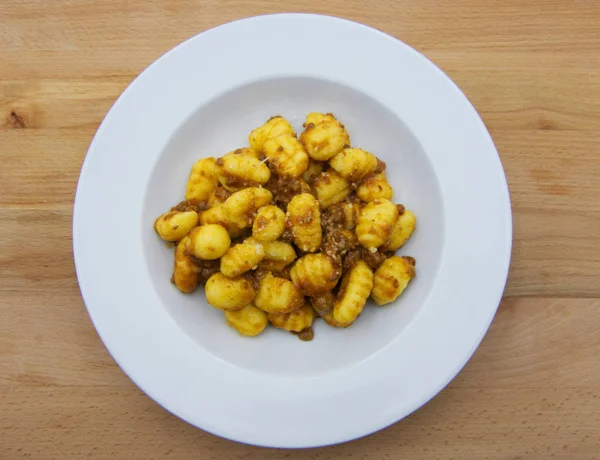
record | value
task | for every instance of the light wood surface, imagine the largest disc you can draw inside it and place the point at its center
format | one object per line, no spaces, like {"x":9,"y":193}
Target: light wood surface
{"x":532,"y":70}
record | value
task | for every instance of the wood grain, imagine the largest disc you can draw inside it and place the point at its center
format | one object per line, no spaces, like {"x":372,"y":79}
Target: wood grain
{"x":532,"y":70}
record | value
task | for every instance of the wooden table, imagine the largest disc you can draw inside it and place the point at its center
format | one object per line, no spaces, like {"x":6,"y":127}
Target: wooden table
{"x":532,"y":70}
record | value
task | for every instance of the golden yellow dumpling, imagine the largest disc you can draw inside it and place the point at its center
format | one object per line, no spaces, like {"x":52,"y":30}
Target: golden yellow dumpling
{"x":324,"y":136}
{"x":375,"y":222}
{"x":391,"y":278}
{"x":277,"y":295}
{"x":276,"y":126}
{"x":375,"y":187}
{"x":208,"y":242}
{"x":248,"y":320}
{"x":355,"y":164}
{"x":216,"y":215}
{"x":185,"y":271}
{"x":174,"y":225}
{"x":268,"y":224}
{"x":315,"y":274}
{"x":228,"y":293}
{"x":246,"y":151}
{"x":241,"y":206}
{"x":241,"y":257}
{"x":239,"y":171}
{"x":402,"y":230}
{"x":295,"y":321}
{"x":287,"y":155}
{"x":304,"y":219}
{"x":278,"y":255}
{"x":353,"y":293}
{"x":331,"y":188}
{"x":202,"y":180}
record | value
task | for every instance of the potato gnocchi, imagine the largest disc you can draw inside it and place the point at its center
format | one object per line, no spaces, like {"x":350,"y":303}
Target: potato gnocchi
{"x":240,"y":169}
{"x":375,"y":223}
{"x":242,"y":257}
{"x":277,"y":295}
{"x":315,"y":274}
{"x":208,"y":242}
{"x":331,"y":188}
{"x":268,"y":224}
{"x":290,"y":229}
{"x":391,"y":278}
{"x":174,"y":225}
{"x":304,"y":221}
{"x":185,"y":271}
{"x":248,"y":320}
{"x":324,"y":136}
{"x":202,"y":181}
{"x":287,"y":155}
{"x":295,"y":321}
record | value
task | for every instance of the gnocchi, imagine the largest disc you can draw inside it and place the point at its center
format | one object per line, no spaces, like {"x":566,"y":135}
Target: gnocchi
{"x":275,"y":126}
{"x":238,"y":171}
{"x":278,"y":255}
{"x":402,"y":230}
{"x":391,"y":278}
{"x":354,"y":291}
{"x":295,"y":321}
{"x":278,"y":295}
{"x":208,"y":242}
{"x":202,"y":180}
{"x":216,"y":215}
{"x":240,"y":258}
{"x":185,"y":271}
{"x":268,"y":224}
{"x":304,"y":218}
{"x":375,"y":223}
{"x":241,"y":206}
{"x":290,"y":229}
{"x":355,"y":164}
{"x":287,"y":155}
{"x":315,"y":274}
{"x":246,"y":151}
{"x":174,"y":225}
{"x":331,"y":188}
{"x":324,"y":136}
{"x":248,"y":320}
{"x":227,"y":293}
{"x":375,"y":187}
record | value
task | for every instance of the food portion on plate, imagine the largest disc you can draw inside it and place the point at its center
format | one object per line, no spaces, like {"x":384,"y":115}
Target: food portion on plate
{"x":290,"y":229}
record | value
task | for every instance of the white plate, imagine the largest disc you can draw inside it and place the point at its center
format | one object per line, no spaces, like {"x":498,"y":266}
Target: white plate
{"x":201,"y":99}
